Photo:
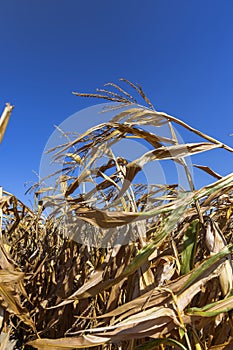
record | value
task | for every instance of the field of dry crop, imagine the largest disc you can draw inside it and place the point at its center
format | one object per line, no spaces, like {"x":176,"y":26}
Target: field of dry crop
{"x":168,"y":285}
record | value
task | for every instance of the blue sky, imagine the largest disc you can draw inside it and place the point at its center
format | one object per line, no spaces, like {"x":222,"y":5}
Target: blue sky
{"x":181,"y":52}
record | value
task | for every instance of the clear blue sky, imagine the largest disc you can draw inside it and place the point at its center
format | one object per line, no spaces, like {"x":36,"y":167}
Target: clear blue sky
{"x":181,"y":52}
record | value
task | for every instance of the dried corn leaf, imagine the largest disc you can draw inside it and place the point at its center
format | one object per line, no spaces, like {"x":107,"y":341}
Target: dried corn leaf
{"x":68,"y":343}
{"x":208,"y":170}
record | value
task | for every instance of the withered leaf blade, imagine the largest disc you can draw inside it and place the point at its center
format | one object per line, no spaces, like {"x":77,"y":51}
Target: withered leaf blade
{"x":208,"y":170}
{"x":69,"y":343}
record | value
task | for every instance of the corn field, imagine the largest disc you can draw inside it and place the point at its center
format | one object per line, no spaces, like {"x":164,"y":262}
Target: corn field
{"x":167,"y":286}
